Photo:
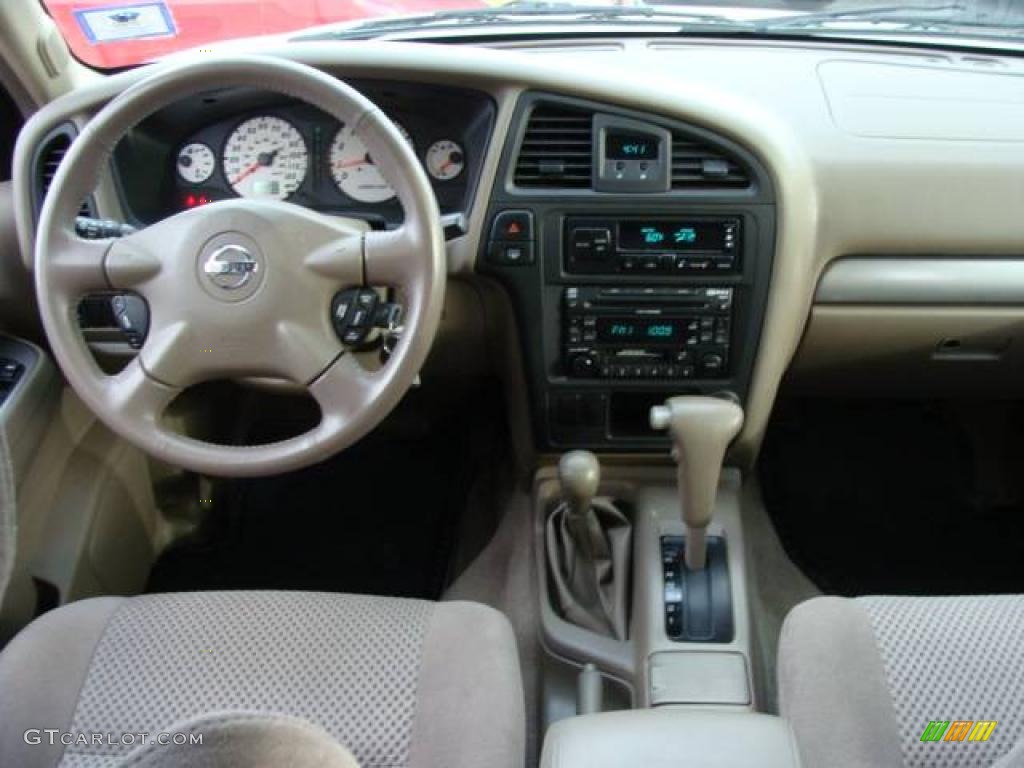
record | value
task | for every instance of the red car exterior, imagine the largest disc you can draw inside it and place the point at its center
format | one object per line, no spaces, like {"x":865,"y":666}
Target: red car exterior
{"x":203,"y":22}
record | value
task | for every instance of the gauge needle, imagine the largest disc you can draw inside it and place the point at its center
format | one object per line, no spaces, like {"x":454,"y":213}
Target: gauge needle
{"x":350,"y":163}
{"x":263,"y":160}
{"x":246,"y":173}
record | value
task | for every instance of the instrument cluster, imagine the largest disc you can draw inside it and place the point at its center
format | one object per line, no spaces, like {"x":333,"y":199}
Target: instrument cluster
{"x":271,"y":149}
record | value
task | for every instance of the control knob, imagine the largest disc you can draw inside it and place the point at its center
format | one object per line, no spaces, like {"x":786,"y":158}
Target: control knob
{"x":583,"y":364}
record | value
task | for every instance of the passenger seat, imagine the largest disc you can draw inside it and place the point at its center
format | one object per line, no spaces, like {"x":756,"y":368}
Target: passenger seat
{"x":905,"y":681}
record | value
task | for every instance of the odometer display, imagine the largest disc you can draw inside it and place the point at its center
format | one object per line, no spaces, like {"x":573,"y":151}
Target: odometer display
{"x":266,"y":158}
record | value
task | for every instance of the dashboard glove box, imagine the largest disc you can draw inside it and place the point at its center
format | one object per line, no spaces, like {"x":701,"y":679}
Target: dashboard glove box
{"x":670,"y":738}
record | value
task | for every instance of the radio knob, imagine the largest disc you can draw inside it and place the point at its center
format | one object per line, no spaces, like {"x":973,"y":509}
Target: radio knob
{"x":584,"y":364}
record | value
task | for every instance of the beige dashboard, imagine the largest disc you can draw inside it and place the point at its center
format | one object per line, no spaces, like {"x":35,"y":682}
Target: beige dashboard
{"x":856,"y":173}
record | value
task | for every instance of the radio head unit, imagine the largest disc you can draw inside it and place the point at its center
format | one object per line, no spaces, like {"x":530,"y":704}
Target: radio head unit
{"x":647,"y":332}
{"x":658,"y":244}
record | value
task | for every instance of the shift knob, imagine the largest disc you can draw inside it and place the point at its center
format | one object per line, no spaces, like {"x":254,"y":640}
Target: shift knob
{"x":702,"y":429}
{"x":579,"y":472}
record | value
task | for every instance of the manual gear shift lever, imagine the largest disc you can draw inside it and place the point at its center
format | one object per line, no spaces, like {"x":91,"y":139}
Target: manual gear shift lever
{"x":702,"y":429}
{"x":588,"y":542}
{"x":579,"y":474}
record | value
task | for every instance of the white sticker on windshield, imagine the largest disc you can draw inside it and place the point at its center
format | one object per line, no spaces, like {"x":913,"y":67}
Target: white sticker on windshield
{"x":126,"y":22}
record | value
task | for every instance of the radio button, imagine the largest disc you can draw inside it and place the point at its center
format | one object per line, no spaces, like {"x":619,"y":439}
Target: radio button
{"x":629,"y":264}
{"x":651,"y":263}
{"x":712,"y":364}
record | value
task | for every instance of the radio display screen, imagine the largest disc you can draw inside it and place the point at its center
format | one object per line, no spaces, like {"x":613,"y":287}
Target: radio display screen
{"x":650,"y":330}
{"x":663,"y":235}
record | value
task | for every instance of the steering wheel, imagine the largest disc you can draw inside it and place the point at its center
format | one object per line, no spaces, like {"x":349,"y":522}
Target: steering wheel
{"x":241,"y":287}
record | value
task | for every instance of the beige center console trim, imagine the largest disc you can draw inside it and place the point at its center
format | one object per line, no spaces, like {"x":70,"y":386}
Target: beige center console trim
{"x":668,"y":738}
{"x":659,"y":670}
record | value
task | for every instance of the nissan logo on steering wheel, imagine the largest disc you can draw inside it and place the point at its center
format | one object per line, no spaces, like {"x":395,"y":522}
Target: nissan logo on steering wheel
{"x":230,"y":267}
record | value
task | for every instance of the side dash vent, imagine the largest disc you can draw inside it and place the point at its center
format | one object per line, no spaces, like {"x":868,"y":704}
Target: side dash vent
{"x":695,"y":165}
{"x":557,"y":149}
{"x":48,"y":159}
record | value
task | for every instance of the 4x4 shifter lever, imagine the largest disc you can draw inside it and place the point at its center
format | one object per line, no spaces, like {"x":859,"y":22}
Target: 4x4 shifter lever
{"x":702,"y":429}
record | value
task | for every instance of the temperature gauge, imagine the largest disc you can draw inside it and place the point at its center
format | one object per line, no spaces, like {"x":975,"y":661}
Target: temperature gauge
{"x":445,"y":160}
{"x":195,"y":163}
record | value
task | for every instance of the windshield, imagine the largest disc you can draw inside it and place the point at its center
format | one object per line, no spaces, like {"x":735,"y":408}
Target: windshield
{"x":106,"y":34}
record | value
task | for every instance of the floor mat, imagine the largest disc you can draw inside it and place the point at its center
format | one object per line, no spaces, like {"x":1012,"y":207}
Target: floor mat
{"x":379,"y":518}
{"x":873,"y":497}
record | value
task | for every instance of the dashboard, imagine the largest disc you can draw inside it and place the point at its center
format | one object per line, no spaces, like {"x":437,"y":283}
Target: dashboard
{"x":241,"y":143}
{"x":874,"y":204}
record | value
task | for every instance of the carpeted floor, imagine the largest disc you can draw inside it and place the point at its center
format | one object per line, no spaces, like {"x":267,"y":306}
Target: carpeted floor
{"x":890,"y":497}
{"x":379,"y":518}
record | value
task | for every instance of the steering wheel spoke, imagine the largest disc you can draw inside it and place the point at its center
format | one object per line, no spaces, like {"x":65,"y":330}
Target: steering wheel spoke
{"x":344,"y":388}
{"x":130,"y":262}
{"x":388,"y":255}
{"x":136,"y":395}
{"x":77,"y":266}
{"x":336,"y":252}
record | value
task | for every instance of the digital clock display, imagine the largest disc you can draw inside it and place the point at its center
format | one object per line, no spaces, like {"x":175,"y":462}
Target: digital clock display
{"x":630,"y":146}
{"x":676,"y":236}
{"x":632,"y":329}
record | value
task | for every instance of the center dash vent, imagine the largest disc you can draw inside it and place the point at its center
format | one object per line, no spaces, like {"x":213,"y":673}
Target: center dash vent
{"x":695,"y":165}
{"x":557,"y":149}
{"x":48,"y":158}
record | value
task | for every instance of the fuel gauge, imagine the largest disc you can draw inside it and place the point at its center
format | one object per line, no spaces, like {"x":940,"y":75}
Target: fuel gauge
{"x":445,"y":160}
{"x":195,"y":163}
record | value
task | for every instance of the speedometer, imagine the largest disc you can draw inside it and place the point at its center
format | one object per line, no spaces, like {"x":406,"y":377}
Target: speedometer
{"x":265,"y":157}
{"x":354,"y":171}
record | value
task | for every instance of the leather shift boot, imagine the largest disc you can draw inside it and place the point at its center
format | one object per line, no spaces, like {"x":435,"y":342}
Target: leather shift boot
{"x":588,"y":559}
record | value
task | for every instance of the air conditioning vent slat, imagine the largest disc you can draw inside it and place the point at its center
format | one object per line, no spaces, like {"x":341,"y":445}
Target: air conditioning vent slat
{"x":50,"y":156}
{"x":696,"y":165}
{"x":557,"y":153}
{"x":557,"y":149}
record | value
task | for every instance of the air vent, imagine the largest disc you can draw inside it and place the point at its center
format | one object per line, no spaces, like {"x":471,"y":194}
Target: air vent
{"x":695,"y":165}
{"x":557,"y":149}
{"x":51,"y":153}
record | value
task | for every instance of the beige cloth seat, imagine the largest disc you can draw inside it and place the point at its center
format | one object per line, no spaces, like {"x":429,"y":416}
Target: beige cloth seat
{"x":861,"y":679}
{"x":398,"y":682}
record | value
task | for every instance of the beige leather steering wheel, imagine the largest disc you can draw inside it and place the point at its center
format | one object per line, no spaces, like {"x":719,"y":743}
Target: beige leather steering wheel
{"x":277,"y":323}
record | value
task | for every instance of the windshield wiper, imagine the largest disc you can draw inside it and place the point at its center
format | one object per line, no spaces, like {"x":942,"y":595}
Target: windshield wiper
{"x":527,"y":12}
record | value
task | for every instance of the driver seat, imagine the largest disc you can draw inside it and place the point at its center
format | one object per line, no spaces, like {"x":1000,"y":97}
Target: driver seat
{"x":397,"y":682}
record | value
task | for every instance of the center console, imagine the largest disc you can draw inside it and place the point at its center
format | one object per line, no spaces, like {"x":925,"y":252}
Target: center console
{"x":637,"y":252}
{"x":671,"y":739}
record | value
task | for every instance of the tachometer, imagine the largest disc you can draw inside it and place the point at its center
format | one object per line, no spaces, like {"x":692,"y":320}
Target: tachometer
{"x":265,"y":157}
{"x":196,"y":162}
{"x":445,"y":160}
{"x":354,"y":170}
